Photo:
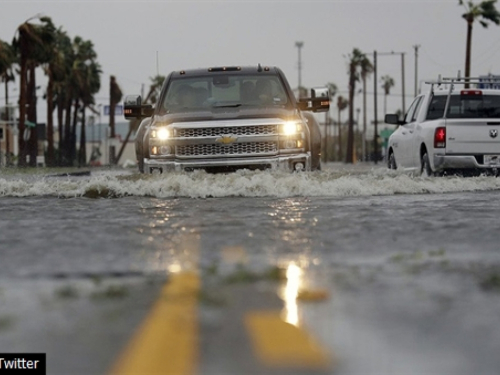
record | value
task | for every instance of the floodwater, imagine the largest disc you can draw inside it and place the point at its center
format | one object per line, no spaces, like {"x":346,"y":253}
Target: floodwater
{"x":410,"y":266}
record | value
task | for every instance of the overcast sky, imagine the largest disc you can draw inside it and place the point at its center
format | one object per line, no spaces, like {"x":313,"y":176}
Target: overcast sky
{"x":134,"y":39}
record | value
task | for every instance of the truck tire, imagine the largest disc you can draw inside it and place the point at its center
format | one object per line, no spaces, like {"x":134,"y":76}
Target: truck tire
{"x":391,"y":161}
{"x":315,"y":134}
{"x":139,"y":144}
{"x":425,"y":169}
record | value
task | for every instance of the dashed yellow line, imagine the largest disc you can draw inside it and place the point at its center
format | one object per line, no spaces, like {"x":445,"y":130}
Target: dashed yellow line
{"x":281,"y":344}
{"x":167,"y":342}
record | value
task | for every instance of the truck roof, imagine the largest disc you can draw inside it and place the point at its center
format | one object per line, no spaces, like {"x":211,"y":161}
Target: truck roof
{"x":265,"y":70}
{"x":458,"y":91}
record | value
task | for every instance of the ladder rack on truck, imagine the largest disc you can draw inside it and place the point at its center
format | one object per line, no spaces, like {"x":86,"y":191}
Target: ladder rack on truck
{"x":451,"y":81}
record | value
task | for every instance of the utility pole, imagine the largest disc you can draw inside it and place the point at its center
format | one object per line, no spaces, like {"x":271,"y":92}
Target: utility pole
{"x":416,"y":47}
{"x":299,"y":45}
{"x":403,"y":79}
{"x":7,"y":135}
{"x":375,"y":121}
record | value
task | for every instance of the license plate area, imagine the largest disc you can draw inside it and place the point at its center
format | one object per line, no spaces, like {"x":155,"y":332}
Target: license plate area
{"x":492,"y":160}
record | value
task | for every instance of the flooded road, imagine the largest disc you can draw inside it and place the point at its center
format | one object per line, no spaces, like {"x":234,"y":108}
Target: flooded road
{"x":379,"y":272}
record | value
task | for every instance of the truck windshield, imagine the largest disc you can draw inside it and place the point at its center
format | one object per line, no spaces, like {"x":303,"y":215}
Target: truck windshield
{"x":481,"y":106}
{"x":216,"y":91}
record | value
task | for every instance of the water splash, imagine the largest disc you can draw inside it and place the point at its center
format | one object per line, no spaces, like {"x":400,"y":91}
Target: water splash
{"x":341,"y":182}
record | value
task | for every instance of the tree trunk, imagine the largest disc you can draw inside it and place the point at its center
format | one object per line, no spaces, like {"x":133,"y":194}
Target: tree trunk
{"x":22,"y":102}
{"x":340,"y":138}
{"x":350,"y":133}
{"x":364,"y":119}
{"x":33,"y":140}
{"x":7,"y":132}
{"x":325,"y":140}
{"x":60,"y":126}
{"x":50,"y":122}
{"x":67,"y":130}
{"x":82,"y":152}
{"x":73,"y":132}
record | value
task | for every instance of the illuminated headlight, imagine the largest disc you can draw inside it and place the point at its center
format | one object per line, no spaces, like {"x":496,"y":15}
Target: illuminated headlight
{"x":291,"y":128}
{"x":161,"y":133}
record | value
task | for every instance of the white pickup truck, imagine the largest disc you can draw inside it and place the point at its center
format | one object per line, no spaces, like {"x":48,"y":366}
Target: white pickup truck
{"x":448,"y":130}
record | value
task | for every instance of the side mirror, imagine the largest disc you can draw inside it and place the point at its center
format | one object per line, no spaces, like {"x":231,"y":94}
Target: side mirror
{"x":318,"y":102}
{"x":133,"y":107}
{"x":392,"y":119}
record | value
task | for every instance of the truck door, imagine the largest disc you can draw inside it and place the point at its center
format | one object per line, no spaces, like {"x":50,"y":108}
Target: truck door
{"x":407,"y":140}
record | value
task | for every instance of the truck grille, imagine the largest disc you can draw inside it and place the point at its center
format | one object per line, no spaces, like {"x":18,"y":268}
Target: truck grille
{"x":236,"y":149}
{"x":235,"y":130}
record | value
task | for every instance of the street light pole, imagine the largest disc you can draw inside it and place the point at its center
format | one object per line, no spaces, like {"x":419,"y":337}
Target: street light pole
{"x":403,"y":79}
{"x":375,"y":144}
{"x":299,"y":45}
{"x":375,"y":136}
{"x":416,"y":47}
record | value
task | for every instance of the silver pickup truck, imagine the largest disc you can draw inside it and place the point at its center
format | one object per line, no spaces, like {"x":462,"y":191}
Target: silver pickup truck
{"x":228,"y":118}
{"x":450,"y":129}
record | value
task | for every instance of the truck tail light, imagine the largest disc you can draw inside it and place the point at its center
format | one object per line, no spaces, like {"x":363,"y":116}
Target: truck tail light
{"x":471,"y":93}
{"x":440,"y":137}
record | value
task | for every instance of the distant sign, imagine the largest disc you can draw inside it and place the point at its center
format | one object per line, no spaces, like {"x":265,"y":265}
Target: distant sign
{"x":118,"y":110}
{"x":385,"y":134}
{"x":489,"y":82}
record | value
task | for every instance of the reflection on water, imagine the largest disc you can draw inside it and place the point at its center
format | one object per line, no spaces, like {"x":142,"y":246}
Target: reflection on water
{"x":290,"y":293}
{"x":171,"y":245}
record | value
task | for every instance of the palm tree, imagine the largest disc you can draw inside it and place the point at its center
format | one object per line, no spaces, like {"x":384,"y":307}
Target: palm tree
{"x":486,"y":12}
{"x":91,"y":85}
{"x":32,"y":45}
{"x":366,"y":70}
{"x":115,"y":95}
{"x":356,"y":60}
{"x":60,"y":76}
{"x":342,"y":104}
{"x":7,"y":60}
{"x":87,"y":83}
{"x":387,"y":84}
{"x":55,"y":69}
{"x":82,"y":83}
{"x":332,"y":91}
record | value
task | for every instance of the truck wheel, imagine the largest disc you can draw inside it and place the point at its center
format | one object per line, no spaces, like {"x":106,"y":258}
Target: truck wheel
{"x":391,"y":162}
{"x":425,"y":169}
{"x":315,"y":134}
{"x":139,"y":144}
{"x":140,"y":164}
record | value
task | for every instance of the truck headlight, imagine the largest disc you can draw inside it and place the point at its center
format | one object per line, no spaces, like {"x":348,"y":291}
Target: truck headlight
{"x":161,"y":133}
{"x":291,"y":128}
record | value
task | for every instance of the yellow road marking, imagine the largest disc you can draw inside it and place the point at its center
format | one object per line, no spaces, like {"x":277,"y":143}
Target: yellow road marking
{"x":167,"y":342}
{"x":280,"y":344}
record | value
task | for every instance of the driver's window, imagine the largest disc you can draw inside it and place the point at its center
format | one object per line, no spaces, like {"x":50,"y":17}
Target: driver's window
{"x":417,"y":109}
{"x":411,"y":110}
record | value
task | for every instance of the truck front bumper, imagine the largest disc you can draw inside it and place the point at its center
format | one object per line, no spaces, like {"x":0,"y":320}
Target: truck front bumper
{"x":282,"y":162}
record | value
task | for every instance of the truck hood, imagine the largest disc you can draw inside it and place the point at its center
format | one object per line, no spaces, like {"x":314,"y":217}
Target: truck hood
{"x":227,"y":113}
